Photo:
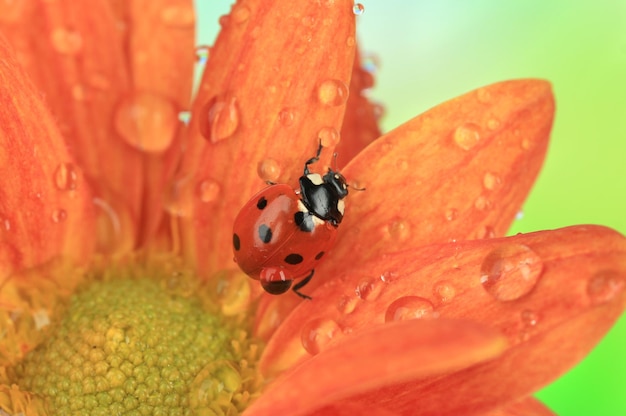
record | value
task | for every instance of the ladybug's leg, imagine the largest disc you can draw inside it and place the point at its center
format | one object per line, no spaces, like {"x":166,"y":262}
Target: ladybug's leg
{"x":313,"y":159}
{"x":301,"y":284}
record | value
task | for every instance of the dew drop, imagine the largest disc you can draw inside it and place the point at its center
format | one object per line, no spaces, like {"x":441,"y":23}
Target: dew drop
{"x":309,"y":21}
{"x":526,"y":143}
{"x":466,"y":136}
{"x":329,"y":136}
{"x":358,"y":9}
{"x":409,"y":307}
{"x":65,"y":177}
{"x":451,"y":214}
{"x":369,"y":289}
{"x":484,"y":95}
{"x":491,"y":181}
{"x":510,"y":272}
{"x":493,"y":124}
{"x":350,"y":41}
{"x":202,"y":54}
{"x":146,"y":121}
{"x":66,"y":41}
{"x":347,"y":304}
{"x":58,"y":215}
{"x":181,"y":17}
{"x":332,"y":92}
{"x":179,"y":197}
{"x":231,"y":289}
{"x":444,"y":291}
{"x":214,"y":387}
{"x":184,"y":117}
{"x":486,"y":231}
{"x":219,"y":118}
{"x":399,"y":230}
{"x":402,"y":164}
{"x":5,"y":224}
{"x":605,"y":286}
{"x":389,"y":276}
{"x":208,"y":190}
{"x":529,"y":317}
{"x":317,"y":334}
{"x":286,"y":117}
{"x":268,"y":170}
{"x":240,"y":14}
{"x":482,"y":203}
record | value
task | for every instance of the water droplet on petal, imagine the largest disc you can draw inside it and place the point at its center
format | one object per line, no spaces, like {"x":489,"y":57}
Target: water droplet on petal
{"x":491,"y":181}
{"x":529,"y":317}
{"x":219,"y":118}
{"x":5,"y":223}
{"x":358,"y":9}
{"x":409,"y":307}
{"x":231,"y":289}
{"x":399,"y":230}
{"x":146,"y":121}
{"x":286,"y":117}
{"x":179,"y":197}
{"x":493,"y":123}
{"x":444,"y":291}
{"x":466,"y":136}
{"x":59,"y":215}
{"x":451,"y":214}
{"x":482,"y":203}
{"x":347,"y":304}
{"x":350,"y":41}
{"x":65,"y":177}
{"x":66,"y":41}
{"x":526,"y":143}
{"x":328,"y":136}
{"x":486,"y":231}
{"x":208,"y":190}
{"x":510,"y":271}
{"x":317,"y":334}
{"x":332,"y":92}
{"x":402,"y":164}
{"x":605,"y":286}
{"x":178,"y":16}
{"x":240,"y":14}
{"x":484,"y":95}
{"x":369,"y":289}
{"x":214,"y":388}
{"x":268,"y":170}
{"x":184,"y":117}
{"x":202,"y":54}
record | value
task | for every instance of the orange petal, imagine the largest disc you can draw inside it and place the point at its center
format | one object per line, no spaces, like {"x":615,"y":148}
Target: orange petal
{"x":426,"y":347}
{"x":360,"y":124}
{"x":276,"y":77}
{"x":459,"y":171}
{"x":74,"y":53}
{"x":160,"y":40}
{"x":45,"y":203}
{"x":554,"y":294}
{"x":525,"y":407}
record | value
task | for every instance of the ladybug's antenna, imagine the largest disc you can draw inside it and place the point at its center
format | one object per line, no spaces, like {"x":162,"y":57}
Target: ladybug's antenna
{"x":355,"y":188}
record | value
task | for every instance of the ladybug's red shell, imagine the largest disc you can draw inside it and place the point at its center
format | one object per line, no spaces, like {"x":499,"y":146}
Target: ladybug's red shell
{"x":274,"y":231}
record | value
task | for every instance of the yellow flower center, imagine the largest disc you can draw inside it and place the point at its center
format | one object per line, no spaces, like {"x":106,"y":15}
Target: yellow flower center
{"x":132,"y":344}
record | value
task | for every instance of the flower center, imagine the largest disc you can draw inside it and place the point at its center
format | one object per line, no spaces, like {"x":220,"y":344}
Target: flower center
{"x":130,"y":343}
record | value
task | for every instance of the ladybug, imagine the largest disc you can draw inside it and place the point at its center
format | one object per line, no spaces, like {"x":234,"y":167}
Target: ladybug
{"x":281,"y":234}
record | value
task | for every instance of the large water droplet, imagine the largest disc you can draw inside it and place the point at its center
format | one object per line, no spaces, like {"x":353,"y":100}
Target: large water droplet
{"x":605,"y":286}
{"x":332,"y":92}
{"x":208,"y":190}
{"x":466,"y":136}
{"x":178,"y":16}
{"x":231,"y":289}
{"x":58,"y":215}
{"x":214,"y":387}
{"x":399,"y":230}
{"x":146,"y":121}
{"x":66,"y":41}
{"x":409,"y":307}
{"x":286,"y":116}
{"x":329,"y":136}
{"x":482,"y":203}
{"x":510,"y":271}
{"x":219,"y":118}
{"x":65,"y":177}
{"x":269,"y":170}
{"x":317,"y":334}
{"x":347,"y":304}
{"x":369,"y":289}
{"x":358,"y":9}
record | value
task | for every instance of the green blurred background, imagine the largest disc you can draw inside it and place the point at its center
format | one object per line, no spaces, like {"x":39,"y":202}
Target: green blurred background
{"x":432,"y":50}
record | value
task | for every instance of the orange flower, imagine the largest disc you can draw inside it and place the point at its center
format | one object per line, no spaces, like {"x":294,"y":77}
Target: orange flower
{"x":422,"y":307}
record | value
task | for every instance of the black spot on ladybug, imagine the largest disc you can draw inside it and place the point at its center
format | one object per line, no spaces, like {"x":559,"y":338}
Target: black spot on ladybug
{"x":261,"y":203}
{"x":319,"y":255}
{"x":265,"y":233}
{"x":293,"y":258}
{"x":304,"y":221}
{"x":236,"y":242}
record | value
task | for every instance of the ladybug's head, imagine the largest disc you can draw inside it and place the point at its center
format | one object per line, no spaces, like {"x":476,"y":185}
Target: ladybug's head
{"x":323,"y":195}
